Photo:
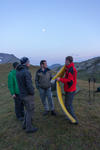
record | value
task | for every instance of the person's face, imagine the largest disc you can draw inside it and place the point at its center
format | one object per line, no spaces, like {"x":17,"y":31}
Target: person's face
{"x":28,"y":64}
{"x":45,"y":64}
{"x":67,"y":62}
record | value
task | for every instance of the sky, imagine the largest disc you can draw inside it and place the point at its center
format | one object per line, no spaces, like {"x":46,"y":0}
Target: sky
{"x":50,"y":29}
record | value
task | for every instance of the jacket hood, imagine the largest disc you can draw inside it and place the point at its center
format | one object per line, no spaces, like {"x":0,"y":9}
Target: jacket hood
{"x":20,"y":67}
{"x":70,"y":65}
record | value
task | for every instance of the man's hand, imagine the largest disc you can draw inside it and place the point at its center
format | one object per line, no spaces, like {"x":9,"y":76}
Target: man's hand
{"x":13,"y":96}
{"x":58,"y":79}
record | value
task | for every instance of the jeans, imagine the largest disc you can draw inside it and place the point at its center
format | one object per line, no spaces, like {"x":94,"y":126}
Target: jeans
{"x":19,"y":107}
{"x":44,"y":95}
{"x":69,"y":96}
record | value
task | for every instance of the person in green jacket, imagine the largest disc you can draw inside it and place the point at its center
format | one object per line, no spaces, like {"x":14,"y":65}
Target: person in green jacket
{"x":14,"y":90}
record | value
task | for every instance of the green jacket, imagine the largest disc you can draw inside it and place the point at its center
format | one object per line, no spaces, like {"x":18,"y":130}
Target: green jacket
{"x":12,"y":83}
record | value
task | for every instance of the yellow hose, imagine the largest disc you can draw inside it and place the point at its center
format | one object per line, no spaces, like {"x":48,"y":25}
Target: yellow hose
{"x":60,"y":98}
{"x":59,"y":94}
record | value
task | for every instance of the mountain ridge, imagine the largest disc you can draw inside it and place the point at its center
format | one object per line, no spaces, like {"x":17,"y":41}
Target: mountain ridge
{"x":7,"y":58}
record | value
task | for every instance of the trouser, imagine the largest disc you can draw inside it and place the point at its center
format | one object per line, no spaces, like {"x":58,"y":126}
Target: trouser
{"x":29,"y":106}
{"x":44,"y":95}
{"x":69,"y":96}
{"x":19,"y":107}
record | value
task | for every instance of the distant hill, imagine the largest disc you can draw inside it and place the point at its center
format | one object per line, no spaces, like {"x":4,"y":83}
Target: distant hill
{"x":55,"y":67}
{"x":89,"y":69}
{"x":90,"y":66}
{"x":7,"y":58}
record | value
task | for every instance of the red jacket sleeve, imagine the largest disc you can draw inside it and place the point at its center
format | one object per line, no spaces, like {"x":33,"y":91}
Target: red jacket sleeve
{"x":65,"y":80}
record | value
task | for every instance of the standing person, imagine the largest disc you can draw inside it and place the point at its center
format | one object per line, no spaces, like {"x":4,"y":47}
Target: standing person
{"x":26,"y":93}
{"x":69,"y":81}
{"x":14,"y":90}
{"x":43,"y":84}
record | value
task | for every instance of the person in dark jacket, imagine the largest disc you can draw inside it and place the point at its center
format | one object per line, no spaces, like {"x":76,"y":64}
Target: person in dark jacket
{"x":69,"y":81}
{"x":26,"y":93}
{"x":14,"y":90}
{"x":43,"y":83}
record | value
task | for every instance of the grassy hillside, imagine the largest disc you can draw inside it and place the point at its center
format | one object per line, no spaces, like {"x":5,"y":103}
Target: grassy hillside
{"x":55,"y":133}
{"x":84,"y":76}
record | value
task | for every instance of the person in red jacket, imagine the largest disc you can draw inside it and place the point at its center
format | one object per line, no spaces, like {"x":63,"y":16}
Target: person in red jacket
{"x":69,"y":80}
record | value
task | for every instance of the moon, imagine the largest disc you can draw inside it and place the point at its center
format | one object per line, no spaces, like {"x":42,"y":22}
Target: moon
{"x":43,"y":30}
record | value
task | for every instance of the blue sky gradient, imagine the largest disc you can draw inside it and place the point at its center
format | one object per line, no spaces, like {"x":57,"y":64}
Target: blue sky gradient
{"x":50,"y":29}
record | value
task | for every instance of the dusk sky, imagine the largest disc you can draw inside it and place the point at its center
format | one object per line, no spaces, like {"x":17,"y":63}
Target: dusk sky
{"x":50,"y":29}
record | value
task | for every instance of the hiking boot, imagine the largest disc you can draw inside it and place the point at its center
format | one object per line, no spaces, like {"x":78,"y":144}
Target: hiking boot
{"x":24,"y":127}
{"x":53,"y":113}
{"x":45,"y":113}
{"x":31,"y":130}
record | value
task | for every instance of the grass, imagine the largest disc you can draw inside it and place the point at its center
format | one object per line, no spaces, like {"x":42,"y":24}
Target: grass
{"x":55,"y":133}
{"x":84,"y":75}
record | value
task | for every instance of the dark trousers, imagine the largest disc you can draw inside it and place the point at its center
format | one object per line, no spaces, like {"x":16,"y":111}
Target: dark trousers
{"x":69,"y":96}
{"x":19,"y":107}
{"x":29,"y":106}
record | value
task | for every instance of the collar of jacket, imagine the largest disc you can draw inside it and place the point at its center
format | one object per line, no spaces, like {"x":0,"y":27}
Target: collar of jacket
{"x":25,"y":67}
{"x":20,"y":67}
{"x":70,"y":65}
{"x":44,"y":70}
